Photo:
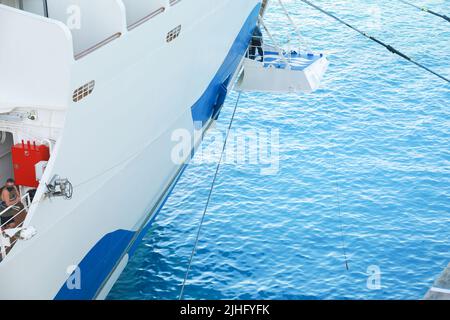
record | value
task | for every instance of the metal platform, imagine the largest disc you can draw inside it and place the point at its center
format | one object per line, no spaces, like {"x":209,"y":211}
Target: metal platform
{"x":441,"y":287}
{"x":282,"y":72}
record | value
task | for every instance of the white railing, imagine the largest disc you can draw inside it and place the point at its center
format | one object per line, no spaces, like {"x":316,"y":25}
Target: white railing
{"x":9,"y":237}
{"x":254,"y":54}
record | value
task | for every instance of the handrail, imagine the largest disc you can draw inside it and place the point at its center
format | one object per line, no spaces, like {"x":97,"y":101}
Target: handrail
{"x":27,"y":205}
{"x":98,"y":46}
{"x":280,"y":50}
{"x":119,"y":34}
{"x":5,"y":154}
{"x":26,"y":201}
{"x":146,"y":18}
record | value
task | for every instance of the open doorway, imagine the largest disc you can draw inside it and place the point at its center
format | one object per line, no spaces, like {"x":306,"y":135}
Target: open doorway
{"x":11,"y":3}
{"x":39,"y":7}
{"x":6,"y":165}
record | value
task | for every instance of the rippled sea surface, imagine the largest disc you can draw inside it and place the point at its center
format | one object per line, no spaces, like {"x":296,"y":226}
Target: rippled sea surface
{"x":364,"y":170}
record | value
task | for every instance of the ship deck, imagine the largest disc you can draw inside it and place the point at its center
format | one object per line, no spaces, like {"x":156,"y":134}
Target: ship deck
{"x":298,"y":61}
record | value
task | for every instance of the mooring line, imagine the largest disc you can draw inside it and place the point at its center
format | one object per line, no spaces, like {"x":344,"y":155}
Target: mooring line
{"x":341,"y":224}
{"x":424,"y":9}
{"x":388,"y":47}
{"x":339,"y":202}
{"x":194,"y":249}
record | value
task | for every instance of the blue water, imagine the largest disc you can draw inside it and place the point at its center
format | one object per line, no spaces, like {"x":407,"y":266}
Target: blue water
{"x":375,"y":139}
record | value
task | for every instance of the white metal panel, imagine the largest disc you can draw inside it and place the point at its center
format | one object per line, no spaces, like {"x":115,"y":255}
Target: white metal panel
{"x":89,"y":21}
{"x":35,"y":61}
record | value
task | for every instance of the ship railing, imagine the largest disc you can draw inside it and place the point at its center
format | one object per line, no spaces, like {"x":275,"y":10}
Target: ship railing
{"x":146,"y":18}
{"x":9,"y":236}
{"x":97,"y":46}
{"x":139,"y":12}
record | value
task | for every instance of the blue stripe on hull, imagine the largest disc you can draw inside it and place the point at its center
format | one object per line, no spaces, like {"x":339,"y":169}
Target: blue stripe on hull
{"x":146,"y":228}
{"x":114,"y":245}
{"x":203,"y":109}
{"x":98,"y":264}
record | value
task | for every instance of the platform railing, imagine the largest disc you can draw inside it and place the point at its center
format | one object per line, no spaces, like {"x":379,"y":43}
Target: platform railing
{"x":268,"y":51}
{"x":280,"y":50}
{"x":7,"y":242}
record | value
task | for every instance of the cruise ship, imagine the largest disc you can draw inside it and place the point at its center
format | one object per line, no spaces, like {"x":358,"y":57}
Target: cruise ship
{"x":102,"y":105}
{"x":91,"y":93}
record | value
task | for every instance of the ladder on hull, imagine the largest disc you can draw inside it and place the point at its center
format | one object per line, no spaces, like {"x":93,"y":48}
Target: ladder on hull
{"x":263,"y":8}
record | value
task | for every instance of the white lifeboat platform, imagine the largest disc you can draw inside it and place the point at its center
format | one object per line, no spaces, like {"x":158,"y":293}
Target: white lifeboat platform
{"x":282,"y":72}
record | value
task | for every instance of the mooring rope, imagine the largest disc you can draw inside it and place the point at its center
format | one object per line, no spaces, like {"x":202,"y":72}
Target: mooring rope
{"x":213,"y":183}
{"x":424,"y":9}
{"x":388,"y":47}
{"x":341,"y":223}
{"x":295,"y":26}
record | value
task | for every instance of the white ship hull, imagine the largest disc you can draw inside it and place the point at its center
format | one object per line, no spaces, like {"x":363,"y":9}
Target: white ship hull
{"x":116,"y":145}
